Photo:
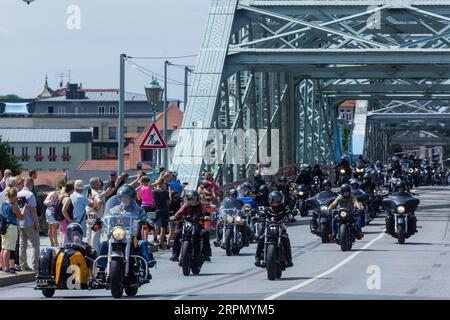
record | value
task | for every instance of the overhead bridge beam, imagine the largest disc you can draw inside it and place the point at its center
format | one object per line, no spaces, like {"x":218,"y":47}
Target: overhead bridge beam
{"x":402,"y":117}
{"x":422,"y":141}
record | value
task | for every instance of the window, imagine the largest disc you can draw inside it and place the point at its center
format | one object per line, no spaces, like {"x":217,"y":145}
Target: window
{"x":11,"y":151}
{"x":61,"y":110}
{"x":140,"y":129}
{"x":112,"y":110}
{"x":101,"y":110}
{"x":96,"y":153}
{"x":51,"y":110}
{"x":38,"y":155}
{"x":95,"y":133}
{"x":112,"y":133}
{"x":24,"y":156}
{"x":346,"y":114}
{"x":52,"y":154}
{"x":125,"y":130}
{"x":65,"y":151}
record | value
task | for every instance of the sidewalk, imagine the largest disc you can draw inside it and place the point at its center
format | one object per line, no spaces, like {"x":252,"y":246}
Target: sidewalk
{"x":23,"y":276}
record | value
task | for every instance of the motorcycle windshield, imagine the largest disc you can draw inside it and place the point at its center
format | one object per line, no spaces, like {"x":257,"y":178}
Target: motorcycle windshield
{"x":409,"y":202}
{"x":323,"y":198}
{"x":123,"y":220}
{"x":230,"y":203}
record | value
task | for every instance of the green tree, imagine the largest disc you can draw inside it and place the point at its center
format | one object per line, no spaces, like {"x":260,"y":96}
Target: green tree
{"x":10,"y":97}
{"x":345,"y":137}
{"x":8,"y":161}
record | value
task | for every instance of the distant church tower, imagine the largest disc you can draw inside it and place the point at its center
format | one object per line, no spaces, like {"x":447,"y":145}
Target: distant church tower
{"x":47,"y":92}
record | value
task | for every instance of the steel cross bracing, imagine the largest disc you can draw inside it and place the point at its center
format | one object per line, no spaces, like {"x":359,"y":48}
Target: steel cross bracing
{"x":288,"y":64}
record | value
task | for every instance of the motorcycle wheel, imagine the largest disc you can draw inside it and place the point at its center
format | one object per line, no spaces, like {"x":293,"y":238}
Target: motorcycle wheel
{"x":343,"y":235}
{"x":116,"y":275}
{"x":324,"y":233}
{"x":236,"y":251}
{"x":186,"y":258}
{"x":48,"y":293}
{"x":131,"y":291}
{"x":228,"y":242}
{"x":271,"y":265}
{"x":401,"y":234}
{"x":279,"y":273}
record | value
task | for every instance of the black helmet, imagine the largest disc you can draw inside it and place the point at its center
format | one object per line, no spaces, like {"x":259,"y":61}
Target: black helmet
{"x":378,"y":163}
{"x":264,"y":189}
{"x":395,"y":159}
{"x":126,"y":190}
{"x":74,"y":233}
{"x":400,"y":184}
{"x":233,"y":193}
{"x":282,"y":179}
{"x":346,"y":188}
{"x":304,"y":168}
{"x":354,"y":181}
{"x":276,"y":197}
{"x":316,"y":167}
{"x":326,"y":182}
{"x":192,"y":195}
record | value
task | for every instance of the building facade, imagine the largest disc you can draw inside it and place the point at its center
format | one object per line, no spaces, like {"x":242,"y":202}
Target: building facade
{"x":49,"y":149}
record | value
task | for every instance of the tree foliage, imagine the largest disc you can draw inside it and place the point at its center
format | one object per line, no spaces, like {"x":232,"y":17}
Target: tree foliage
{"x":8,"y":161}
{"x":10,"y":97}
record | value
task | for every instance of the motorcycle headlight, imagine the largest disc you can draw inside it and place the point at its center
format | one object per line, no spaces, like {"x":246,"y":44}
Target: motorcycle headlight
{"x":401,"y":209}
{"x":343,"y":214}
{"x":118,"y":233}
{"x":324,"y":208}
{"x":359,"y":170}
{"x":238,"y":218}
{"x":416,"y":170}
{"x":230,"y":219}
{"x":273,"y":231}
{"x":300,"y":193}
{"x":411,"y":170}
{"x":342,"y":171}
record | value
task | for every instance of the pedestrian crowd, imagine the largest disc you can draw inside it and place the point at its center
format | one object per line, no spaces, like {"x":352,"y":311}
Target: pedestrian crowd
{"x":160,"y":199}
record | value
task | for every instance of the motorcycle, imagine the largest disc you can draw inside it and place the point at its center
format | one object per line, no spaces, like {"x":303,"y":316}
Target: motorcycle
{"x":232,"y":223}
{"x":301,"y":194}
{"x":346,"y":235}
{"x":274,"y":260}
{"x":69,"y":268}
{"x":343,"y":175}
{"x":255,"y":224}
{"x":359,"y":170}
{"x":191,"y":245}
{"x":400,"y":208}
{"x":250,"y":215}
{"x":321,"y":216}
{"x":125,"y":271}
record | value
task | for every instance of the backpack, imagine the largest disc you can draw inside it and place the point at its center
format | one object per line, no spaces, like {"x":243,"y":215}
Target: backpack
{"x":3,"y":223}
{"x":57,"y":210}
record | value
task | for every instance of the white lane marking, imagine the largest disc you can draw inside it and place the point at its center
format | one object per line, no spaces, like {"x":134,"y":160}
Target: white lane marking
{"x":336,"y":267}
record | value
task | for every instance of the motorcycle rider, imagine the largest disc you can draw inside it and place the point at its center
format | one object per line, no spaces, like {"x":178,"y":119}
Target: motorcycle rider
{"x":326,"y":185}
{"x":305,"y":176}
{"x":400,"y":190}
{"x":192,"y":207}
{"x":277,"y":210}
{"x":343,"y":163}
{"x":262,"y":199}
{"x":284,"y":187}
{"x":347,"y":200}
{"x":316,"y":172}
{"x":356,"y":190}
{"x":127,"y":206}
{"x":368,"y":186}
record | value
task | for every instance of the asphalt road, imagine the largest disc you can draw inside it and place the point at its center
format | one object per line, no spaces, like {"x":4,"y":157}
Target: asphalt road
{"x":376,"y":268}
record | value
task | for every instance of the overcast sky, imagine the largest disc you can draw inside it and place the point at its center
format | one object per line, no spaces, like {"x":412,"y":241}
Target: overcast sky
{"x":35,"y":41}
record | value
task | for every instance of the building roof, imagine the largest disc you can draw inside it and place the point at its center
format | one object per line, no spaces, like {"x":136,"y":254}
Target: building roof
{"x":109,"y":165}
{"x":24,"y":135}
{"x":174,"y":119}
{"x":348,"y":104}
{"x":47,"y":92}
{"x":103,"y":95}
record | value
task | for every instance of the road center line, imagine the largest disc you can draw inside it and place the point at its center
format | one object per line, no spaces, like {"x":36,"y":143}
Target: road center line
{"x":336,"y":267}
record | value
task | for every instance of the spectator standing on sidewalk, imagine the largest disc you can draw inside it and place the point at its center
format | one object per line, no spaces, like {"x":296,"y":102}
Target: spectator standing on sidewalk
{"x":67,"y":208}
{"x":11,"y":182}
{"x":80,"y":202}
{"x":145,"y":196}
{"x":1,"y":178}
{"x":161,"y":198}
{"x":50,"y":202}
{"x":29,"y":227}
{"x":93,"y":238}
{"x":12,"y":213}
{"x":7,"y":174}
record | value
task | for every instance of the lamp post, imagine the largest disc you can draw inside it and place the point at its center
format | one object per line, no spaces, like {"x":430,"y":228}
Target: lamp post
{"x":154,"y":94}
{"x":165,"y":151}
{"x":123,"y":58}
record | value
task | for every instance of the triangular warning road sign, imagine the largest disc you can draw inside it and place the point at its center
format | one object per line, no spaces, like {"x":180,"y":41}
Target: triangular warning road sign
{"x":153,"y":139}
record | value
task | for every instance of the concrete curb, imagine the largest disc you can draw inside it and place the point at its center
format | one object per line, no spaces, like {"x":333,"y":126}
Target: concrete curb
{"x":8,"y":280}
